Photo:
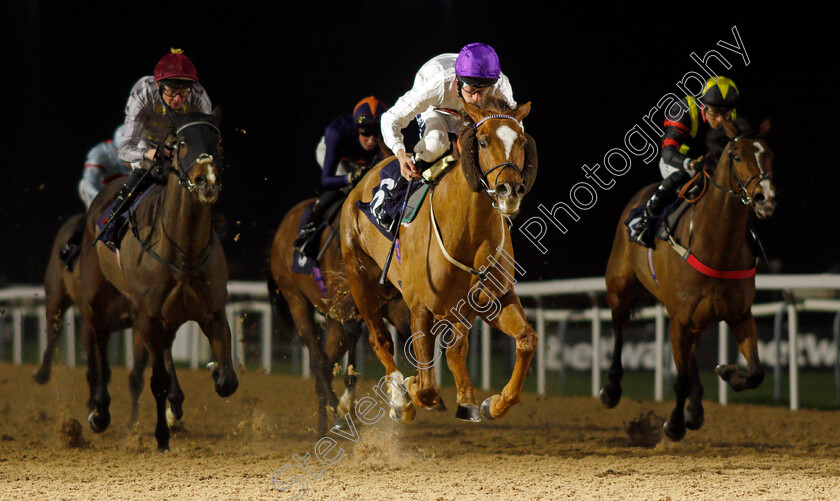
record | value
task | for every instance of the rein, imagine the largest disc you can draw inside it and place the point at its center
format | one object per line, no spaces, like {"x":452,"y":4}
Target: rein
{"x":469,"y":269}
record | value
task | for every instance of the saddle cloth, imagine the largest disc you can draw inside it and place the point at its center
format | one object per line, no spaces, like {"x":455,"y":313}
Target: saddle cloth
{"x":390,"y":193}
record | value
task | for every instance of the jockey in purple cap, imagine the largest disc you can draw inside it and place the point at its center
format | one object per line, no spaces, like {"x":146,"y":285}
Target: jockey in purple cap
{"x":435,"y":100}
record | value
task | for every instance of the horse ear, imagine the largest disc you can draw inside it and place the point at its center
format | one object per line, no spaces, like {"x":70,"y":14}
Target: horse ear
{"x":529,"y":171}
{"x":473,"y":111}
{"x":469,"y":159}
{"x":522,"y":111}
{"x":731,"y":130}
{"x":764,"y":128}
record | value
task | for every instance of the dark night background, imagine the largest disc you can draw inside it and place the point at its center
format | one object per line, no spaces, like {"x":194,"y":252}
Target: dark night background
{"x":282,"y":71}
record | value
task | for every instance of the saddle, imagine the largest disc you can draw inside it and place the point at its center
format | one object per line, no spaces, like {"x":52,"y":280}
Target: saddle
{"x":663,"y":224}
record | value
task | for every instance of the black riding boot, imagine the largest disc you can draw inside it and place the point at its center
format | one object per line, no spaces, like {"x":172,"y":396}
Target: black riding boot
{"x":316,"y":216}
{"x":134,"y":183}
{"x":71,"y":249}
{"x":662,"y":196}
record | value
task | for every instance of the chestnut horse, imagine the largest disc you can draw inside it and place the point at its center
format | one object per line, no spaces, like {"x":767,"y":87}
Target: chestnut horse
{"x":716,"y":233}
{"x":171,"y":268}
{"x":61,"y":288}
{"x":447,"y":252}
{"x":303,"y":296}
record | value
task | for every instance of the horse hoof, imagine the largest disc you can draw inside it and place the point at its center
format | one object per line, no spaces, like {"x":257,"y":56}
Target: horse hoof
{"x":174,"y":423}
{"x":163,"y":449}
{"x":485,"y":409}
{"x":439,"y":406}
{"x":674,"y":434}
{"x":725,"y":372}
{"x":694,"y":423}
{"x":41,"y":377}
{"x":340,"y":424}
{"x":99,"y":421}
{"x":395,"y":413}
{"x":468,"y":412}
{"x":608,"y":401}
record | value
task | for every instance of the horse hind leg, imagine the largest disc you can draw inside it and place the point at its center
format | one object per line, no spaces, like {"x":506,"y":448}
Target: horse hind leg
{"x":57,"y":305}
{"x":98,"y":377}
{"x":739,"y":379}
{"x":352,"y":330}
{"x":621,"y":292}
{"x":363,"y":277}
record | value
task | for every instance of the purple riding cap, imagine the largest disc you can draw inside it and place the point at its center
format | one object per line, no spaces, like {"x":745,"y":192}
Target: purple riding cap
{"x":477,"y":65}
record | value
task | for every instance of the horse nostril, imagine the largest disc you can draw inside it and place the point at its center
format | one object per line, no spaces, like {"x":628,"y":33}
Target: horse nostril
{"x":503,"y":190}
{"x":520,"y":190}
{"x":200,"y":180}
{"x":759,"y":198}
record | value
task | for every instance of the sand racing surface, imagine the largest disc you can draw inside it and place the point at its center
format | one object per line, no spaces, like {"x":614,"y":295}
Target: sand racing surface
{"x":546,"y":448}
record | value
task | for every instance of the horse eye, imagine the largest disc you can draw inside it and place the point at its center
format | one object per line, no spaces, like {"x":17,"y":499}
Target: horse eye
{"x":482,"y":143}
{"x":737,"y":158}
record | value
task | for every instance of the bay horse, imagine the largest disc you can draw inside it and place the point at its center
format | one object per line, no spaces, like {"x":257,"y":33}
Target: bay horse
{"x":714,"y":281}
{"x":62,"y":290}
{"x":459,"y":235}
{"x":303,"y":296}
{"x":171,"y":268}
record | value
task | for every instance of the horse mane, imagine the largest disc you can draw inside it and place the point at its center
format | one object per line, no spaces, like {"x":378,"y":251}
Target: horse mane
{"x":468,"y":154}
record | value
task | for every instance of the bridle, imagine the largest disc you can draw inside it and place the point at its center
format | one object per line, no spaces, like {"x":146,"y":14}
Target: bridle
{"x":204,"y":158}
{"x":744,"y":194}
{"x":500,"y":167}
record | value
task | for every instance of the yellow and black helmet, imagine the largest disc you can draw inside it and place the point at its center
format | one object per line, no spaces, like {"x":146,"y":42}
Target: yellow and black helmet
{"x":720,"y":92}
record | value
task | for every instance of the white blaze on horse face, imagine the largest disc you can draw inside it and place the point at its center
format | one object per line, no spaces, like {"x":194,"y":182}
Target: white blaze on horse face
{"x":760,"y":150}
{"x":508,"y":136}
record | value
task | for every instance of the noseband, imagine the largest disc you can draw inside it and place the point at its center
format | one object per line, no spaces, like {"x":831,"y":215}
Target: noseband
{"x":502,"y":166}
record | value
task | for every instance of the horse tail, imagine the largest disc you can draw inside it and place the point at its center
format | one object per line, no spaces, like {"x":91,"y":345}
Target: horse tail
{"x":340,"y":304}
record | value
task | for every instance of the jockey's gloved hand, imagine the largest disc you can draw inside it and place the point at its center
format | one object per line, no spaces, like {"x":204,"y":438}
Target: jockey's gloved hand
{"x":355,"y":175}
{"x":697,"y":162}
{"x":163,"y":153}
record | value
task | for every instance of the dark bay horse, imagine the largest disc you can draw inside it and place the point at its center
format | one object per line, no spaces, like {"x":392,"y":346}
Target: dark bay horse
{"x":61,"y":287}
{"x":448,"y":251}
{"x":172,"y":269}
{"x":716,"y":233}
{"x":303,"y":296}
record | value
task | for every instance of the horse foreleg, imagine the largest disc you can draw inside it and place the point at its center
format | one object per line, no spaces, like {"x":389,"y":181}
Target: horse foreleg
{"x":511,"y":320}
{"x":682,"y":342}
{"x":423,"y":388}
{"x":98,"y":376}
{"x":456,"y":359}
{"x":739,"y":379}
{"x":217,"y":331}
{"x":696,"y":414}
{"x":175,"y":412}
{"x":135,"y":377}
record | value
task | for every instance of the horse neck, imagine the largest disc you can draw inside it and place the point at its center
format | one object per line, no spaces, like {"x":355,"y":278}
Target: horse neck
{"x":185,"y":220}
{"x":720,"y":228}
{"x":468,"y":217}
